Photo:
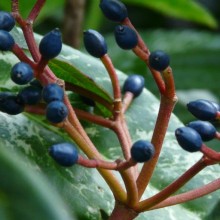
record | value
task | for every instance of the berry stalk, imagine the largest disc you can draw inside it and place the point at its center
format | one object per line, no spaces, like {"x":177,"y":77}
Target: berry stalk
{"x":190,"y":195}
{"x":173,"y":187}
{"x":165,"y":110}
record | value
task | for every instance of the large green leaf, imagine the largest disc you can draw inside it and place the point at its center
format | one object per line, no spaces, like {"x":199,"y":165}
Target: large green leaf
{"x":82,"y":190}
{"x":184,"y":9}
{"x":24,"y":192}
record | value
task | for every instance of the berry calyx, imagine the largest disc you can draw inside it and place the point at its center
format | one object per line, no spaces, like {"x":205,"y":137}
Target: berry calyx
{"x":22,"y":73}
{"x":189,"y":139}
{"x":30,"y":95}
{"x":202,"y":109}
{"x":9,"y":104}
{"x":159,"y":60}
{"x":94,"y":43}
{"x":125,"y":37}
{"x":7,"y":21}
{"x":51,"y":44}
{"x":6,"y":41}
{"x":64,"y":154}
{"x":56,"y":112}
{"x":114,"y":10}
{"x":142,"y":151}
{"x":206,"y":130}
{"x":52,"y":92}
{"x":134,"y":84}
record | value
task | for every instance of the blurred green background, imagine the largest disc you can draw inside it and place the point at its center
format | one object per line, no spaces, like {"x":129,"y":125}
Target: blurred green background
{"x":187,"y":30}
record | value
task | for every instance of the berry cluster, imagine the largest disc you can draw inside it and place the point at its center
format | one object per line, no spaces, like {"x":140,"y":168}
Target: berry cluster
{"x":7,"y":22}
{"x":47,"y":93}
{"x":191,"y":137}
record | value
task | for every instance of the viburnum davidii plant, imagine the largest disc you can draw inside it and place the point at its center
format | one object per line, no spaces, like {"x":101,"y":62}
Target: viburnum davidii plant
{"x":101,"y":139}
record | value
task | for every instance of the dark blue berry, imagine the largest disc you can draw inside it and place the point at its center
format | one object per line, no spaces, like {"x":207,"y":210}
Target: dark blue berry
{"x":52,"y":92}
{"x":159,"y":60}
{"x":36,"y":83}
{"x":51,"y":44}
{"x":95,"y":43}
{"x":206,"y":130}
{"x":142,"y":151}
{"x":30,"y":95}
{"x":134,"y":84}
{"x":6,"y":41}
{"x":217,"y":106}
{"x":22,"y":73}
{"x":9,"y":104}
{"x":64,"y":154}
{"x":189,"y":139}
{"x":126,"y":37}
{"x":56,"y":112}
{"x":7,"y":21}
{"x":203,"y":109}
{"x":114,"y":10}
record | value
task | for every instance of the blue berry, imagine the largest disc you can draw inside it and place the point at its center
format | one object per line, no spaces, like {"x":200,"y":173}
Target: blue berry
{"x":95,"y":43}
{"x":189,"y":139}
{"x":203,"y":109}
{"x":142,"y":151}
{"x":126,"y":37}
{"x":7,"y":21}
{"x":30,"y":95}
{"x":9,"y":104}
{"x":114,"y":10}
{"x":6,"y":41}
{"x":206,"y":130}
{"x":36,"y":83}
{"x":134,"y":84}
{"x":22,"y":73}
{"x":52,"y":92}
{"x":159,"y":60}
{"x":51,"y":44}
{"x":64,"y":154}
{"x":56,"y":112}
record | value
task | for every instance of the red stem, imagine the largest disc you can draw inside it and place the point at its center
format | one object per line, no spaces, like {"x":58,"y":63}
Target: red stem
{"x":35,"y":10}
{"x":208,"y":152}
{"x":190,"y":195}
{"x":173,"y":187}
{"x":166,"y":108}
{"x":115,"y":84}
{"x":97,"y":163}
{"x":127,"y":100}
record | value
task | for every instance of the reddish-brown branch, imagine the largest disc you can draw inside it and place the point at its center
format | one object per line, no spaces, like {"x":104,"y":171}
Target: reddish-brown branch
{"x":173,"y":187}
{"x":166,"y":108}
{"x":35,"y":10}
{"x":94,"y":118}
{"x":115,"y":84}
{"x":127,"y":100}
{"x":208,"y":152}
{"x":92,"y":153}
{"x":97,"y":163}
{"x":190,"y":195}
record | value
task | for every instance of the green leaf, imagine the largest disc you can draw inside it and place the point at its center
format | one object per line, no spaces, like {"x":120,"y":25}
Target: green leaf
{"x":24,"y":191}
{"x":184,"y":9}
{"x":82,"y":189}
{"x":71,"y":74}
